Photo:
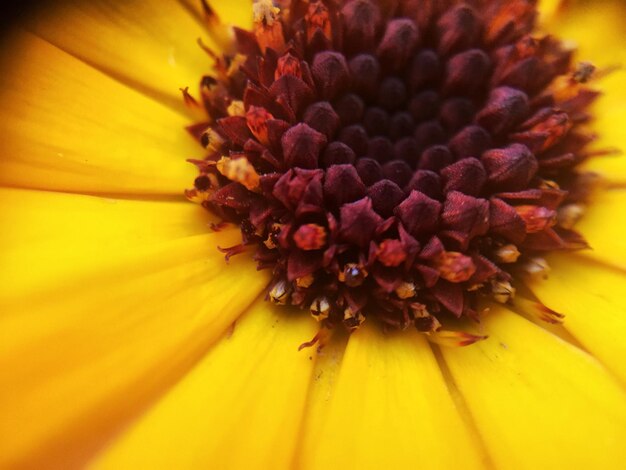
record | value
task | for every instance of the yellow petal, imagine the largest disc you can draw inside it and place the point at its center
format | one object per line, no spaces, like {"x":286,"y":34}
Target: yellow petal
{"x":596,"y":29}
{"x":609,"y":116}
{"x":68,"y":127}
{"x":233,"y":12}
{"x":591,"y":297}
{"x":321,"y":391}
{"x":241,"y":406}
{"x":118,"y":309}
{"x":548,"y":11}
{"x":53,"y":240}
{"x":539,"y":402}
{"x":391,"y":409}
{"x":604,"y":227}
{"x":147,"y":44}
{"x":530,"y":308}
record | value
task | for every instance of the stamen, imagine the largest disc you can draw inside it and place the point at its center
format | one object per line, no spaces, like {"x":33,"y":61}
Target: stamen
{"x":279,"y":294}
{"x":502,"y":291}
{"x":507,"y":254}
{"x":320,"y":308}
{"x":406,"y":290}
{"x":352,"y":275}
{"x":352,"y":320}
{"x":423,"y":320}
{"x":264,"y":12}
{"x":239,"y":170}
{"x":536,"y":268}
{"x":305,"y":281}
{"x":212,"y":140}
{"x":569,"y":215}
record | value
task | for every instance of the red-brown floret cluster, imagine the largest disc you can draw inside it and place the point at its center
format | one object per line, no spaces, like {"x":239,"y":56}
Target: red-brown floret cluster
{"x":394,"y":158}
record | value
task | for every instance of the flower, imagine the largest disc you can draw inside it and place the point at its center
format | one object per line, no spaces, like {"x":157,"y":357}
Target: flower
{"x":127,"y":342}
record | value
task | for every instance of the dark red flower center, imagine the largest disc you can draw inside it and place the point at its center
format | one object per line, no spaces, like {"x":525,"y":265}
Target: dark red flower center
{"x":397,"y":159}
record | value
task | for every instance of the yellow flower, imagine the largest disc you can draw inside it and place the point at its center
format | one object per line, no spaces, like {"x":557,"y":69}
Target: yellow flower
{"x":126,"y":342}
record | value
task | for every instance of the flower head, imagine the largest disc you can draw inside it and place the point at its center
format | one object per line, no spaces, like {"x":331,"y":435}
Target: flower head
{"x":126,"y":341}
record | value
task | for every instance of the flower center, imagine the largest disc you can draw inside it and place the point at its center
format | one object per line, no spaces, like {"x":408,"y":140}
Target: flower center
{"x":397,"y":160}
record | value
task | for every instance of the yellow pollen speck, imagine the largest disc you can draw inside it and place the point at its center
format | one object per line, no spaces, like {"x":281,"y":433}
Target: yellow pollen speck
{"x":549,"y":184}
{"x":569,"y":215}
{"x":236,"y":108}
{"x":406,"y":290}
{"x":239,"y":170}
{"x":305,"y":281}
{"x":536,"y":268}
{"x":507,"y":254}
{"x":264,"y":11}
{"x":197,"y":197}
